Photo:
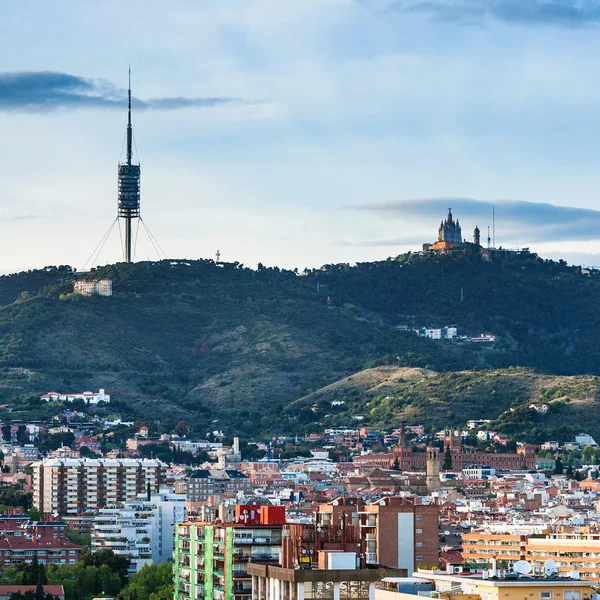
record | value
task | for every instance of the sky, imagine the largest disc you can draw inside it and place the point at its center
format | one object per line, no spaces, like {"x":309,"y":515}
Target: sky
{"x":299,"y":132}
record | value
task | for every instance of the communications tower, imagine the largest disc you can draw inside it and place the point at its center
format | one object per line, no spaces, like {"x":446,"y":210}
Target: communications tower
{"x":129,"y":183}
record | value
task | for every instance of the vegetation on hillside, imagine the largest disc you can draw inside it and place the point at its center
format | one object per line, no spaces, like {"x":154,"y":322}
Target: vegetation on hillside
{"x":218,"y":344}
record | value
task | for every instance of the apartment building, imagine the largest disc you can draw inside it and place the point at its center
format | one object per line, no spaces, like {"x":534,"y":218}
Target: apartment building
{"x":69,"y":486}
{"x":401,"y":533}
{"x":203,"y":483}
{"x":570,"y":550}
{"x":48,"y":551}
{"x":211,"y":559}
{"x":481,"y":548}
{"x":495,"y":588}
{"x":141,"y":530}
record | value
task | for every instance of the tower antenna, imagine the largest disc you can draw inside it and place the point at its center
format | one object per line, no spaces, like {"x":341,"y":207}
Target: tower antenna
{"x":494,"y":227}
{"x":129,"y":183}
{"x":489,"y":239}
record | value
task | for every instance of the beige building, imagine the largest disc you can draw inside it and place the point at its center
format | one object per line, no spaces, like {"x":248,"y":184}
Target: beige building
{"x":464,"y":587}
{"x":571,"y":550}
{"x":69,"y":486}
{"x":99,"y":287}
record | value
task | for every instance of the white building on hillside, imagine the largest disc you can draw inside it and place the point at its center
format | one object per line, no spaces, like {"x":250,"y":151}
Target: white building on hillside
{"x":142,"y":529}
{"x":87,"y":397}
{"x":99,"y":287}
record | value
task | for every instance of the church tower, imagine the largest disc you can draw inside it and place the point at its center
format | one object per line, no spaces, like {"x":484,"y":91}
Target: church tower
{"x":433,"y":469}
{"x":477,"y":236}
{"x":449,"y":230}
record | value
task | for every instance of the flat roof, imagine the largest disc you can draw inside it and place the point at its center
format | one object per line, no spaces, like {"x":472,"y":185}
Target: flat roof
{"x":497,"y":582}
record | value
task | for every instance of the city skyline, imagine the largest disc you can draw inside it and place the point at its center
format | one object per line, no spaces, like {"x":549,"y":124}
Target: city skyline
{"x":346,"y":141}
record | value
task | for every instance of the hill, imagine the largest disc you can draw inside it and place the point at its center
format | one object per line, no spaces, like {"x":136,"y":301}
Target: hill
{"x":233,"y":347}
{"x":385,"y":396}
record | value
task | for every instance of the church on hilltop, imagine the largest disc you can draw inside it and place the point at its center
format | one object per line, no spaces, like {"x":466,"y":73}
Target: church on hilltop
{"x":450,"y":237}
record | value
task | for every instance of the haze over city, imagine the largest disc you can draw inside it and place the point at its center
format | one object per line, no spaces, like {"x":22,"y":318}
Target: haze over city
{"x":302,"y":132}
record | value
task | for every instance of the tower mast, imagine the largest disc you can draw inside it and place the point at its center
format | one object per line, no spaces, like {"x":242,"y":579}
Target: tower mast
{"x":129,"y":183}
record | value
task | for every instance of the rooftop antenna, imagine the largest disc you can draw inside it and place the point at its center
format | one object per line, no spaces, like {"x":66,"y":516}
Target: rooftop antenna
{"x":218,"y":256}
{"x":129,"y":182}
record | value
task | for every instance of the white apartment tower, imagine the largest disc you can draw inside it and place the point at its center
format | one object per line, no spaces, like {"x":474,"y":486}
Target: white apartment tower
{"x":143,"y":529}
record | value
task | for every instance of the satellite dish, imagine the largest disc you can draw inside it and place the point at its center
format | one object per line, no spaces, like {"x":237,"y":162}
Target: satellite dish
{"x":303,"y":550}
{"x":209,"y":504}
{"x":382,"y":503}
{"x":522,"y":567}
{"x":446,"y":532}
{"x":549,"y":567}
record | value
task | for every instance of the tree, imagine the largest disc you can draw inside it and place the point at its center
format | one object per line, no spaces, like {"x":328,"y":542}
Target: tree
{"x":558,"y":465}
{"x":22,"y":435}
{"x":152,"y":582}
{"x":588,"y":455}
{"x":85,"y":452}
{"x":396,"y":464}
{"x":182,"y":429}
{"x":6,"y":433}
{"x":447,"y":459}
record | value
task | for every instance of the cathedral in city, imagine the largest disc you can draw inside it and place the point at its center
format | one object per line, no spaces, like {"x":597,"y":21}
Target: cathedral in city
{"x":450,"y":237}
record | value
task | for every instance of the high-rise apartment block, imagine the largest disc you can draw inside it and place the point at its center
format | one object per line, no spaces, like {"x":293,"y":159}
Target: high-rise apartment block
{"x":211,"y":559}
{"x":141,"y":530}
{"x":70,"y":486}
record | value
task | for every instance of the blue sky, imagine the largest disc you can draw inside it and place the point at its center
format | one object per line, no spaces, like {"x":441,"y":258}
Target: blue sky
{"x":300,"y":132}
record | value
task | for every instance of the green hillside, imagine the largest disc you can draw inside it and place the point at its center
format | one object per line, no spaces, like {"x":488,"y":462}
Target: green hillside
{"x":385,"y":396}
{"x":206,"y":342}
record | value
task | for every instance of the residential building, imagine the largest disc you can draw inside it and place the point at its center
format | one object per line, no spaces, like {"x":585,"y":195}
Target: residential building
{"x":481,"y":548}
{"x":330,"y":581}
{"x":401,"y":533}
{"x":87,"y":397}
{"x":211,"y":559}
{"x":7,"y":591}
{"x":486,"y":587}
{"x":203,"y":483}
{"x":99,"y":287}
{"x":17,"y":550}
{"x":143,"y":529}
{"x":76,"y":486}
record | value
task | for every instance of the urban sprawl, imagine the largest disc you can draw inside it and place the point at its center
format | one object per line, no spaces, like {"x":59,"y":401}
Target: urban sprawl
{"x":344,"y":513}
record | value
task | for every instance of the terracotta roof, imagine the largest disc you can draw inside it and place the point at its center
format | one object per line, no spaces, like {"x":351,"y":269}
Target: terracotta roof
{"x":55,"y":590}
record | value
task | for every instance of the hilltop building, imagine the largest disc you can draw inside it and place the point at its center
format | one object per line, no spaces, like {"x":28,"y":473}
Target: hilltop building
{"x":450,"y":237}
{"x":98,"y":287}
{"x":87,"y":397}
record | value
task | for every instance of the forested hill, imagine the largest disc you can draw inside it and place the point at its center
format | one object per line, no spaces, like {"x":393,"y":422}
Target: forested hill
{"x":203,"y":341}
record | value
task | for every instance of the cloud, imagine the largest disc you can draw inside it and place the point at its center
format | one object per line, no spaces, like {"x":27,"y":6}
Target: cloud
{"x":517,"y":221}
{"x":45,"y":91}
{"x":383,"y":243}
{"x":20,"y":217}
{"x":560,"y":13}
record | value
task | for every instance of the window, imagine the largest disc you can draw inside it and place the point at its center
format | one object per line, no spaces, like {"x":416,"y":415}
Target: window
{"x":419,"y":531}
{"x":419,"y":518}
{"x":419,"y":544}
{"x":572,"y":595}
{"x":419,"y":557}
{"x":546,"y":595}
